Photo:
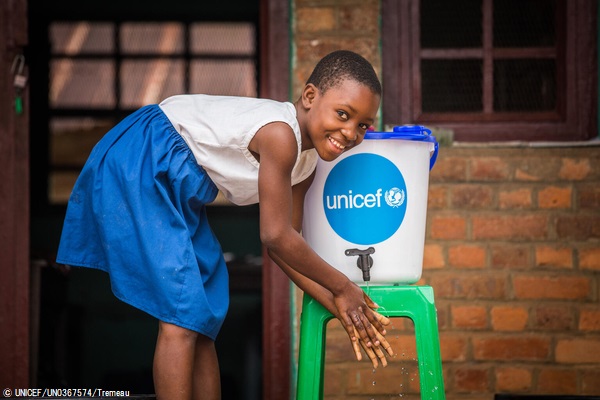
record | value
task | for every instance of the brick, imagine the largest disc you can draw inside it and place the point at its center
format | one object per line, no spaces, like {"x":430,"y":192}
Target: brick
{"x":471,"y":379}
{"x":472,"y":317}
{"x":412,"y":380}
{"x":453,"y":347}
{"x":423,"y":281}
{"x":433,"y":256}
{"x":575,"y":169}
{"x":578,"y":351}
{"x":334,"y":382}
{"x":589,"y":320}
{"x":589,"y":197}
{"x":551,"y":256}
{"x":405,"y":346}
{"x":449,"y":169}
{"x":527,"y":227}
{"x":461,"y":286}
{"x":509,"y":318}
{"x":467,"y":256}
{"x":515,"y":199}
{"x":535,"y":169}
{"x":366,"y":46}
{"x":509,"y":379}
{"x":489,"y":169}
{"x":590,"y":382}
{"x":521,"y":175}
{"x":437,"y":197}
{"x":589,"y":259}
{"x":471,"y":197}
{"x":557,"y":381}
{"x":360,"y":17}
{"x":382,"y":381}
{"x":442,"y":315}
{"x":315,"y":19}
{"x":309,"y":51}
{"x":401,"y":326}
{"x":553,"y":318}
{"x":544,"y":287}
{"x":578,"y":227}
{"x":448,"y":227}
{"x":555,"y":197}
{"x":510,"y":256}
{"x":527,"y":348}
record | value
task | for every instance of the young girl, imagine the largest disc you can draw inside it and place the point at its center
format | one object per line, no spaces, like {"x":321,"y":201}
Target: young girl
{"x":138,"y":210}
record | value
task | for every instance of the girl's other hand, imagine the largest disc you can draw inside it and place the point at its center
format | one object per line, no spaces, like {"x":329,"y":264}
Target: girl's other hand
{"x":375,"y":353}
{"x":357,"y":317}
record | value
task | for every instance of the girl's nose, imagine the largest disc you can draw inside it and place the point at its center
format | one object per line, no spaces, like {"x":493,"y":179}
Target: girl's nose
{"x":349,"y":134}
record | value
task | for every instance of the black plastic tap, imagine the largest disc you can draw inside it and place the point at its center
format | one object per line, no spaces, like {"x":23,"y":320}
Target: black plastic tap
{"x":364,"y":262}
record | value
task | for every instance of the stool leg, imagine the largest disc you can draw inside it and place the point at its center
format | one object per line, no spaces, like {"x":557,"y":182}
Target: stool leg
{"x":428,"y":347}
{"x":311,"y":356}
{"x":416,"y":303}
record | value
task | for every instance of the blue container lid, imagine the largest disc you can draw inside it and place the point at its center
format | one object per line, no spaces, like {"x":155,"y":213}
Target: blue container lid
{"x":408,"y":132}
{"x":404,"y":132}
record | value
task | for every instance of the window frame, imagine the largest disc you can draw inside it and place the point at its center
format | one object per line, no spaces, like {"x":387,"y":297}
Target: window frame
{"x":576,"y":115}
{"x":117,"y":56}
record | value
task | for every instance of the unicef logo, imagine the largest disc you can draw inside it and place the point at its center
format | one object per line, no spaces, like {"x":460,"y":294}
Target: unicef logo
{"x":395,"y":197}
{"x":365,"y":198}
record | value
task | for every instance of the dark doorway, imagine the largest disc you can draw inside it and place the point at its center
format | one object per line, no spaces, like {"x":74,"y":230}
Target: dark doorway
{"x":90,"y":65}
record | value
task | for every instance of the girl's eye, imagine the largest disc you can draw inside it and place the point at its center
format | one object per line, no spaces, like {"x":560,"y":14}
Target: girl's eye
{"x":364,"y":127}
{"x":343,"y":115}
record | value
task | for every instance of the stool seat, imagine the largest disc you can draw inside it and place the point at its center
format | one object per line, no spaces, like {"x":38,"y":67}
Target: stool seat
{"x":414,"y":302}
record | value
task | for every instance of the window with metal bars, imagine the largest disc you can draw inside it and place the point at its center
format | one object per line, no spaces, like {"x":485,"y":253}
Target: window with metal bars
{"x":102,"y":71}
{"x":492,"y":69}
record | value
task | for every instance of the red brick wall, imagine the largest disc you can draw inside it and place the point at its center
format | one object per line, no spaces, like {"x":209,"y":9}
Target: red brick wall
{"x":512,"y":252}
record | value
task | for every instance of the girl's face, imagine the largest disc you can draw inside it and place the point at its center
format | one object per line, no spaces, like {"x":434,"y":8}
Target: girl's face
{"x":338,"y":119}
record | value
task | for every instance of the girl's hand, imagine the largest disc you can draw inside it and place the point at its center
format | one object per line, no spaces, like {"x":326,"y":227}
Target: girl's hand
{"x":356,"y":315}
{"x":375,"y":353}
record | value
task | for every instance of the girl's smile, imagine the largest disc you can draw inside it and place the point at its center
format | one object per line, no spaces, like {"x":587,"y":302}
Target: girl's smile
{"x":337,"y":145}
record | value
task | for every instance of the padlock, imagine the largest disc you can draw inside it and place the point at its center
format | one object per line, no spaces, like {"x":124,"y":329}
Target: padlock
{"x":20,"y":81}
{"x":17,"y":69}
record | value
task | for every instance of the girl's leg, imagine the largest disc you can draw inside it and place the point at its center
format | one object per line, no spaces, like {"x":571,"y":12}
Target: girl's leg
{"x":174,"y":362}
{"x":207,"y":379}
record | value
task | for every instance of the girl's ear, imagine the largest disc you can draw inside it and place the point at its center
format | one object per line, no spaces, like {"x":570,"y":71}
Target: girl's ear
{"x":309,"y":94}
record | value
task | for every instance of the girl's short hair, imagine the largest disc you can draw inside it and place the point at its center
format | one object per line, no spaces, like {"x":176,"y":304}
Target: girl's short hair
{"x":341,"y":65}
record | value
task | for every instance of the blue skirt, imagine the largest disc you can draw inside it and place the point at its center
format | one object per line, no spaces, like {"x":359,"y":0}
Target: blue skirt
{"x":138,"y":212}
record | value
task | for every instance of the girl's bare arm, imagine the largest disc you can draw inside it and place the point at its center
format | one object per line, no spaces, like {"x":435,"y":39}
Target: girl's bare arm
{"x":280,"y":211}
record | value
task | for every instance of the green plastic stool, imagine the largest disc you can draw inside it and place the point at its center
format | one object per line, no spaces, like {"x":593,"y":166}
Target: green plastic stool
{"x":414,"y":302}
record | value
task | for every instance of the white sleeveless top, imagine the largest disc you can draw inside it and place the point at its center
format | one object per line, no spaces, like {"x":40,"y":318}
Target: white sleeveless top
{"x":218,"y":130}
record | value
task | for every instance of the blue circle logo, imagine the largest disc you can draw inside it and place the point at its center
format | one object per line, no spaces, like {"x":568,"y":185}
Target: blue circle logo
{"x":365,"y":198}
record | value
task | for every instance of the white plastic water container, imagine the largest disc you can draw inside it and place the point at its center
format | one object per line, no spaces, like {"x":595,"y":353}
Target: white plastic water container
{"x":369,"y":207}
